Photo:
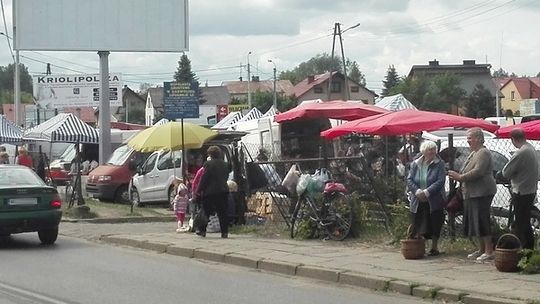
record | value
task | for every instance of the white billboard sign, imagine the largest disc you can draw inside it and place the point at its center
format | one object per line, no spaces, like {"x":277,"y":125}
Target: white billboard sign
{"x":101,"y":25}
{"x":82,"y":90}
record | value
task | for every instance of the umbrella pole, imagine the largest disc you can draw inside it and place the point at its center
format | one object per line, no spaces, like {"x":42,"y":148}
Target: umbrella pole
{"x":183,"y":150}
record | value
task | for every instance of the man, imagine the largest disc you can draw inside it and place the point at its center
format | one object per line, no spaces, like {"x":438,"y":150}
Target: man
{"x":522,"y":170}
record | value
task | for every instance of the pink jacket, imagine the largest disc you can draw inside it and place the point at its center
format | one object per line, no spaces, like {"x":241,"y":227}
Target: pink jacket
{"x":196,"y":181}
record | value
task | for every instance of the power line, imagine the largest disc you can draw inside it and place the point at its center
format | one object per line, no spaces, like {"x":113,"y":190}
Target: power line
{"x":6,"y":33}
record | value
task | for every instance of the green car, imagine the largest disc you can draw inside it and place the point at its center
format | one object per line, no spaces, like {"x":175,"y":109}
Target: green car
{"x":27,"y":204}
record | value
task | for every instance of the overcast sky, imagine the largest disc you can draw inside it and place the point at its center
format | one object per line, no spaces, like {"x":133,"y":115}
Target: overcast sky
{"x":503,"y":33}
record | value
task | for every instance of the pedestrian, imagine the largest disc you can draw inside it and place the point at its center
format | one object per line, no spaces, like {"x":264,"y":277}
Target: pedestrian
{"x":479,"y":188}
{"x":4,"y":158}
{"x":522,"y":170}
{"x":23,"y":158}
{"x":180,"y":203}
{"x":425,"y":184}
{"x":213,"y":190}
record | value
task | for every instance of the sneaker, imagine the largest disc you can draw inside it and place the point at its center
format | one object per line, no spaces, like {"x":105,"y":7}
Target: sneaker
{"x":485,"y":257}
{"x":474,"y":255}
{"x":178,"y":230}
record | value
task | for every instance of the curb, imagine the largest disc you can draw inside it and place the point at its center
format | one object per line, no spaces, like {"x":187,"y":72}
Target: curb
{"x":118,"y":220}
{"x":339,"y":276}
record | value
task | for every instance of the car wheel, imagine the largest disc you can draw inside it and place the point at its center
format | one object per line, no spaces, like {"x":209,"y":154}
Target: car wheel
{"x":172,"y":194}
{"x":135,"y":199}
{"x":48,"y":236}
{"x":122,"y":195}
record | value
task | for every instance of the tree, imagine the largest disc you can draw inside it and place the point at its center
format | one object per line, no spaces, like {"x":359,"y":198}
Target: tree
{"x":6,"y":84}
{"x":320,"y":64}
{"x":183,"y":72}
{"x":500,"y":73}
{"x":480,"y":103}
{"x":356,"y":75}
{"x":264,"y":100}
{"x":143,"y":88}
{"x":391,"y":80}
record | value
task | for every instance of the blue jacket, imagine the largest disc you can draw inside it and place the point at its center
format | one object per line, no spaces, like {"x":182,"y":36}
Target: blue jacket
{"x":436,"y":177}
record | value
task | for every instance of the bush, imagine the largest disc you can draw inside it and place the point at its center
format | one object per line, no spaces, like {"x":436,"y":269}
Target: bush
{"x":530,"y":261}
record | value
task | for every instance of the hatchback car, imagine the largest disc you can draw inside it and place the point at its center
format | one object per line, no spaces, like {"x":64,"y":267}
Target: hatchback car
{"x":27,"y":204}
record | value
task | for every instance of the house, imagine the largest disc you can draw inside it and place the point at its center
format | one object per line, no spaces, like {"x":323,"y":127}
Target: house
{"x":316,"y":87}
{"x":470,"y":73}
{"x":516,"y":90}
{"x":134,"y":104}
{"x":154,"y":105}
{"x":239,"y":89}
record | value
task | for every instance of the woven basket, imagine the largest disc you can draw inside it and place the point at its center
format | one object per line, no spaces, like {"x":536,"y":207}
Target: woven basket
{"x":413,"y":249}
{"x":506,"y":260}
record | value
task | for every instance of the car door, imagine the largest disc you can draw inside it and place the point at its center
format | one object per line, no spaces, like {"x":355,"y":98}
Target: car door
{"x":145,"y":180}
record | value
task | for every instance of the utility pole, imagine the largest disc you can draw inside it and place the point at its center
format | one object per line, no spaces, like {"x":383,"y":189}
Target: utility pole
{"x":249,"y":80}
{"x":338,"y":32}
{"x":275,"y":93}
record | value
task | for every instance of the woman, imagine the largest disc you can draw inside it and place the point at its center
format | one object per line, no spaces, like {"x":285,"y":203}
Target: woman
{"x":213,"y":190}
{"x":478,"y":187}
{"x":425,"y":184}
{"x":23,"y":158}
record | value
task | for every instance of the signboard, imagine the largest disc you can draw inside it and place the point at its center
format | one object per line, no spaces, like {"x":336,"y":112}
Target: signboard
{"x":81,"y":90}
{"x":101,"y":25}
{"x":181,"y":100}
{"x":238,"y":107}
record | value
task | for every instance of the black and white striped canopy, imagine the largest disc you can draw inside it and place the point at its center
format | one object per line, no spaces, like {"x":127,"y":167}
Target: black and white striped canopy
{"x":64,"y":127}
{"x":9,"y":132}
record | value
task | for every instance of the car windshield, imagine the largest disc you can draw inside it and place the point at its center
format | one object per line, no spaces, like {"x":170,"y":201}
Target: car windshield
{"x":18,"y":176}
{"x":120,"y":156}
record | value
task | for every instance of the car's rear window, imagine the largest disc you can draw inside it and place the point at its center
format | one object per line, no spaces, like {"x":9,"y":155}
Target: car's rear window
{"x":13,"y":176}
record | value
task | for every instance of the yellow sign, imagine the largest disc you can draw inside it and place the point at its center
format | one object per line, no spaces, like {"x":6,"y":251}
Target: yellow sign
{"x":238,"y":107}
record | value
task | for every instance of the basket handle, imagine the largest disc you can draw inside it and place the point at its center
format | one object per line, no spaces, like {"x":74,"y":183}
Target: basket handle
{"x":508,"y":235}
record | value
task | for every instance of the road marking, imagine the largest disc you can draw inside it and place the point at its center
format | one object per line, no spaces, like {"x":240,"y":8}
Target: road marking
{"x":29,"y":295}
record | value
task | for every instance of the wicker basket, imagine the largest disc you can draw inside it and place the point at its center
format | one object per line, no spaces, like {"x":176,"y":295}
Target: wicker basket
{"x":413,"y":249}
{"x":506,"y":259}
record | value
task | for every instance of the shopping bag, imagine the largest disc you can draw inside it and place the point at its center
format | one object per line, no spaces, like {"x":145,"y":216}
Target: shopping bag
{"x":455,"y":200}
{"x":200,"y":219}
{"x":303,"y":182}
{"x":318,"y":180}
{"x":291,"y":179}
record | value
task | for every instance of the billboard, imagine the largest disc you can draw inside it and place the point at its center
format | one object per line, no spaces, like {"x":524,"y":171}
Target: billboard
{"x":80,"y":90}
{"x":181,"y":100}
{"x":101,"y":25}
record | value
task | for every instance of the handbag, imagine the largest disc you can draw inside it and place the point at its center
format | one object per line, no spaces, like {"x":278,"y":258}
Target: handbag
{"x":200,"y":219}
{"x":455,"y":200}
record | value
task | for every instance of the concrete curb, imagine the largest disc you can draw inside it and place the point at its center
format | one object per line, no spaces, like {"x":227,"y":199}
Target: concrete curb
{"x":315,"y":272}
{"x":118,"y":220}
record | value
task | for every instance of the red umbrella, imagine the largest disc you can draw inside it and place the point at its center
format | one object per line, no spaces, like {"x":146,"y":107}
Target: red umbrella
{"x":406,"y":121}
{"x":336,"y":109}
{"x":531,"y":129}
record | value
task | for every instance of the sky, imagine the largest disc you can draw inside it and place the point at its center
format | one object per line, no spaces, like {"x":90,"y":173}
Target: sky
{"x":402,"y":33}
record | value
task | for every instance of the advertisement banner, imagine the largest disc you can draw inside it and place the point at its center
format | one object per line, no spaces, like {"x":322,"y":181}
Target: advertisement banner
{"x":59,"y":91}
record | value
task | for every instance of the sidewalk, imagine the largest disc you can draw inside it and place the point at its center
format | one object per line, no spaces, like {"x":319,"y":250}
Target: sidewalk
{"x":351,"y":263}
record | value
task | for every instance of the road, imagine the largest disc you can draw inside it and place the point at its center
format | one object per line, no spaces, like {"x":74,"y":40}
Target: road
{"x":79,"y":271}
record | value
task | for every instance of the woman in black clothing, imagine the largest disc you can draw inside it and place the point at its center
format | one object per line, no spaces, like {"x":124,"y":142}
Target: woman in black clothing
{"x":213,"y":190}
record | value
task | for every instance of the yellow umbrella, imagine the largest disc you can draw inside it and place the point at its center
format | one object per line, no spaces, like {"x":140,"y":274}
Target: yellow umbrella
{"x":169,"y":136}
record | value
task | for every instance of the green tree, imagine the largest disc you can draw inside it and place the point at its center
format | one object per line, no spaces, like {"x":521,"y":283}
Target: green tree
{"x":183,"y":72}
{"x":264,"y":100}
{"x":390,"y":80}
{"x":6,"y":84}
{"x":356,"y":75}
{"x":413,"y":89}
{"x":500,"y":73}
{"x":480,"y":103}
{"x":320,"y":64}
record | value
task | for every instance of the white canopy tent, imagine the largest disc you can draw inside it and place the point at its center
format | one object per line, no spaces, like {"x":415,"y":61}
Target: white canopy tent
{"x":395,"y":103}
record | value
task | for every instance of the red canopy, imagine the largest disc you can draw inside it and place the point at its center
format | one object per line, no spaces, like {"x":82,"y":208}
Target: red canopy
{"x":337,"y":109}
{"x":531,"y":129}
{"x":406,"y":121}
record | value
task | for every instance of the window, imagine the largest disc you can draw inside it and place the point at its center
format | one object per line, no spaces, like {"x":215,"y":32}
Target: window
{"x":318,"y":90}
{"x":355,"y":89}
{"x":150,"y":163}
{"x":336,"y":87}
{"x":512,"y":95}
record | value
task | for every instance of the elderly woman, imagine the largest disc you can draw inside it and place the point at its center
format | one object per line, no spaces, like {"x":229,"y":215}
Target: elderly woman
{"x":24,"y":159}
{"x":425,"y":185}
{"x":478,"y":187}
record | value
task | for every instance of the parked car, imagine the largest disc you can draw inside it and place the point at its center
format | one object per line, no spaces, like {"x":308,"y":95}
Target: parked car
{"x":27,"y":204}
{"x":110,"y":181}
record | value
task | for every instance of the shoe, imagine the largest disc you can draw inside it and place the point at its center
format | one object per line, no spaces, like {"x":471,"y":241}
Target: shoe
{"x":474,"y":255}
{"x":433,"y":252}
{"x":178,"y":230}
{"x":201,"y":233}
{"x":485,"y":257}
{"x":224,"y":236}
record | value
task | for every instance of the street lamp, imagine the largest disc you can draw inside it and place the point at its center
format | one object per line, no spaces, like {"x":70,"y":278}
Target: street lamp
{"x":16,"y":82}
{"x":275,"y":93}
{"x":249,"y":80}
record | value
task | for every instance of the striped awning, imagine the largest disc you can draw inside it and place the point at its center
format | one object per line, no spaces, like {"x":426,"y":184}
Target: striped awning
{"x":395,"y":103}
{"x":161,"y":122}
{"x":64,"y":127}
{"x":228,"y":120}
{"x":9,"y":132}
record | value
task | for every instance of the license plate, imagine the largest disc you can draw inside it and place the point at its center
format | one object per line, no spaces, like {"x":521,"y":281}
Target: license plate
{"x":23,"y":201}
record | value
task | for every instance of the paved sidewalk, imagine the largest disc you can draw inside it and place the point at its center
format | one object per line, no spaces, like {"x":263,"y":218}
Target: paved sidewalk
{"x":357,"y":264}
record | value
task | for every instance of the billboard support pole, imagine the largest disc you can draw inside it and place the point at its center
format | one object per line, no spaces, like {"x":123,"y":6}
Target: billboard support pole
{"x":104,"y":108}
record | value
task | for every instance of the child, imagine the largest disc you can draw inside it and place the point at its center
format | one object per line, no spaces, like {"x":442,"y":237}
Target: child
{"x":180,"y":203}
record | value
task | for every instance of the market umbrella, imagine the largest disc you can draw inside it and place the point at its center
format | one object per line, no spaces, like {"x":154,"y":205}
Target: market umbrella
{"x":170,"y":136}
{"x":336,"y":109}
{"x":406,"y":121}
{"x":531,"y":129}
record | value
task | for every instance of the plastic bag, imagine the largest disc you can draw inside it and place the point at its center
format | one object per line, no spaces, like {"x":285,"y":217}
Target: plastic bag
{"x":303,"y":182}
{"x":291,"y":179}
{"x":319,"y":179}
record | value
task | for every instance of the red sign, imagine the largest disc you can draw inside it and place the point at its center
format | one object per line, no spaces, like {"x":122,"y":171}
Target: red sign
{"x":222,"y":111}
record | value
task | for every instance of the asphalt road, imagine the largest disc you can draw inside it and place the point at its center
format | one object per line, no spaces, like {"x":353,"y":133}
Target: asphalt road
{"x":78,"y":271}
